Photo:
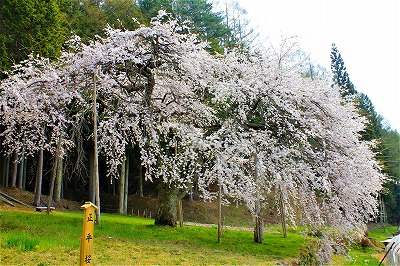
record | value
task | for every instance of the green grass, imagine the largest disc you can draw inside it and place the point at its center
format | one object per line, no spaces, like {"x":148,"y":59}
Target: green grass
{"x":23,"y":242}
{"x":382,"y":233}
{"x":359,"y":255}
{"x":31,"y":238}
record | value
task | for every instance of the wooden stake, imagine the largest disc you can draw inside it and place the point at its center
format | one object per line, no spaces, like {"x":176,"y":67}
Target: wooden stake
{"x":219,"y":213}
{"x":96,"y":159}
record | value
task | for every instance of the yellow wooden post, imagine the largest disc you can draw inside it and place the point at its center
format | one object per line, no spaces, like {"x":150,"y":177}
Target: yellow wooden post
{"x":86,"y":256}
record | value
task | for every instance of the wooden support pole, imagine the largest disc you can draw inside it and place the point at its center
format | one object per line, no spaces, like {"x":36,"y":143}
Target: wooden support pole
{"x":96,"y":158}
{"x":219,"y":213}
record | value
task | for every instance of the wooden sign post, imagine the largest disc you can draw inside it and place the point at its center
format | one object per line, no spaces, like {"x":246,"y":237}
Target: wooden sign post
{"x":86,"y":256}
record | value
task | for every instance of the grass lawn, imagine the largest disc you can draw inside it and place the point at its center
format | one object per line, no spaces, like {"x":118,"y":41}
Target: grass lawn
{"x":359,"y":255}
{"x":32,"y":238}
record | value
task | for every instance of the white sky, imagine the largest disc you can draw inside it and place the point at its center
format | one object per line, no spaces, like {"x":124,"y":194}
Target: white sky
{"x":366,"y":32}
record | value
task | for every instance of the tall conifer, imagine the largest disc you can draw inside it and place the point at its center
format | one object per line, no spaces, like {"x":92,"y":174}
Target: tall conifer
{"x":340,"y":75}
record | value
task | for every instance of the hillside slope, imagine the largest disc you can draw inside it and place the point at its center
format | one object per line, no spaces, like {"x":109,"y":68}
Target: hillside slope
{"x":193,"y":211}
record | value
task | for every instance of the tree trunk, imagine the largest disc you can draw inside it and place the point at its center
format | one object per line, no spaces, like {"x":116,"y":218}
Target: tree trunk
{"x":21,"y":174}
{"x":283,"y":216}
{"x":14,"y":170}
{"x":3,"y":167}
{"x":59,"y":179}
{"x":140,"y":180}
{"x":39,"y":177}
{"x":7,"y":171}
{"x":167,"y":205}
{"x":259,"y":227}
{"x":26,"y":161}
{"x":121,"y":188}
{"x":126,"y":184}
{"x":75,"y":183}
{"x":52,"y":181}
{"x":54,"y":169}
{"x":191,"y":194}
{"x":64,"y":185}
{"x":220,"y":226}
{"x":180,"y":213}
{"x":96,"y":177}
{"x":112,"y":187}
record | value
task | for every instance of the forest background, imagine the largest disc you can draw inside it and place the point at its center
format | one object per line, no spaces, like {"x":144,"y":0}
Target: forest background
{"x":43,"y":27}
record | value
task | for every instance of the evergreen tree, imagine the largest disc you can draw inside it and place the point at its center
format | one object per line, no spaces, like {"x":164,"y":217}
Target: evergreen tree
{"x":123,"y":14}
{"x":391,"y":166}
{"x":340,"y":75}
{"x":208,"y":24}
{"x":387,"y":141}
{"x":366,"y":109}
{"x":240,"y":33}
{"x":150,"y":8}
{"x":29,"y":26}
{"x":88,"y":18}
{"x":85,"y":18}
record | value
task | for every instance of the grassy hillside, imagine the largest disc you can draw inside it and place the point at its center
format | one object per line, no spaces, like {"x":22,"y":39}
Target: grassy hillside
{"x":31,"y":238}
{"x":195,"y":211}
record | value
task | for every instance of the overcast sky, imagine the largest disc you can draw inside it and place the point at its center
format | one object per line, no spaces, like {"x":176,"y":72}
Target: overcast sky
{"x":366,"y":32}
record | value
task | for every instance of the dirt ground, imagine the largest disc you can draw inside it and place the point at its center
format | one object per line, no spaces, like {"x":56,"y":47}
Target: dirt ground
{"x":28,"y":198}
